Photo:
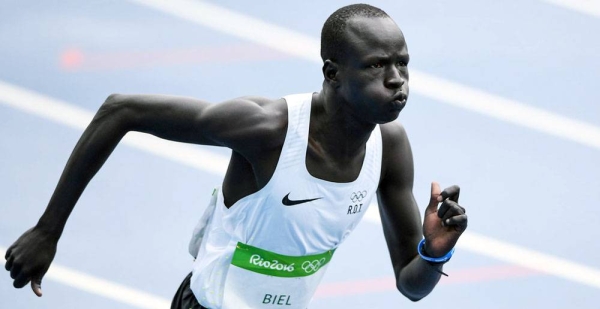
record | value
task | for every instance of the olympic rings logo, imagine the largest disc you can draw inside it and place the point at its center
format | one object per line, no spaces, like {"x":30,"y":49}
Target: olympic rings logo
{"x":358,"y":196}
{"x":313,"y":266}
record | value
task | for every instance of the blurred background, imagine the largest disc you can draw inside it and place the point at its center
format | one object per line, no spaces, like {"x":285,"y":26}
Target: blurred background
{"x":504,"y":102}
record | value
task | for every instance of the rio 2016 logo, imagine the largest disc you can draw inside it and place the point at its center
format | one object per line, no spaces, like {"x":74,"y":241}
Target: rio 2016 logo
{"x":313,"y":266}
{"x":257,"y":260}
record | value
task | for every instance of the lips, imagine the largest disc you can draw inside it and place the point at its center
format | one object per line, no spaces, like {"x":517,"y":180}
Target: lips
{"x":399,"y":101}
{"x":400,"y":96}
{"x":398,"y":105}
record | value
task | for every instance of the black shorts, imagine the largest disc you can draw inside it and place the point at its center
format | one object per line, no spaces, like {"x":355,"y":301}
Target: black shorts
{"x":184,"y":298}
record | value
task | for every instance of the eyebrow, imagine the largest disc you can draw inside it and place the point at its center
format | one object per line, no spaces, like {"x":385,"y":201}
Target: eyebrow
{"x":380,"y":57}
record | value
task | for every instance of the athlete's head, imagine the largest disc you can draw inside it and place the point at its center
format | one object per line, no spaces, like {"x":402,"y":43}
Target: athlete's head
{"x":333,"y":37}
{"x":365,"y":62}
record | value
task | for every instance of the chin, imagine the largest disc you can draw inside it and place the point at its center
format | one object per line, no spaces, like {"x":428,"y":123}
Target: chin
{"x":389,"y":117}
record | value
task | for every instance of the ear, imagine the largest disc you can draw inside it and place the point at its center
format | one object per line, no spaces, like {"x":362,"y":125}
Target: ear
{"x":330,"y":72}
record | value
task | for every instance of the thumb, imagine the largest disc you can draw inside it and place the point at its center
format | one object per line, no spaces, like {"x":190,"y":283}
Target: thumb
{"x":36,"y":286}
{"x":434,"y":199}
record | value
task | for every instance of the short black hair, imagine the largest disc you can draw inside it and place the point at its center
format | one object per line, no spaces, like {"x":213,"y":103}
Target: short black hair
{"x":332,"y":35}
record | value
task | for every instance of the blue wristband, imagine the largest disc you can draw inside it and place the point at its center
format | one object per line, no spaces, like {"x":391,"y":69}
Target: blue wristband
{"x":441,"y":259}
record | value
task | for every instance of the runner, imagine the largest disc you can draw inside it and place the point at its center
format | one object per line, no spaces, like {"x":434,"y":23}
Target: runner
{"x":303,"y":171}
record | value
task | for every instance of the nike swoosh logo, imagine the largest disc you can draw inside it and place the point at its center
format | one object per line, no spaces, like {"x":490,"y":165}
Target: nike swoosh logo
{"x":287,"y":202}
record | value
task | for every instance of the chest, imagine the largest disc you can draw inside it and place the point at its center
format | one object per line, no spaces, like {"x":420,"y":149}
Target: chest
{"x":326,"y":167}
{"x":310,"y":215}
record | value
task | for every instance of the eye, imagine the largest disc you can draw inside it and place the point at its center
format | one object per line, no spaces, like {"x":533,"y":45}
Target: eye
{"x":377,"y":65}
{"x":401,"y":64}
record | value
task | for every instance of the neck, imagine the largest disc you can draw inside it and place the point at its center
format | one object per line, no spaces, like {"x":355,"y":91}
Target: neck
{"x":334,"y":129}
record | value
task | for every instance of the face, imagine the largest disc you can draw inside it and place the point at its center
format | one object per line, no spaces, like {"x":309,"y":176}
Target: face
{"x":373,"y":75}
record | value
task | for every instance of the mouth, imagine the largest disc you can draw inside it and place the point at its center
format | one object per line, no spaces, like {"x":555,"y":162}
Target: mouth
{"x":400,"y":96}
{"x":399,"y":101}
{"x":398,"y":104}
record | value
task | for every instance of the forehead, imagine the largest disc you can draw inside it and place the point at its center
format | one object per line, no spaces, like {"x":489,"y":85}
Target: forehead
{"x":375,"y":35}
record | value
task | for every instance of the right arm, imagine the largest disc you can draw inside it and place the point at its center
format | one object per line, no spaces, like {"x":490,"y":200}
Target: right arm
{"x":173,"y":118}
{"x":244,"y":125}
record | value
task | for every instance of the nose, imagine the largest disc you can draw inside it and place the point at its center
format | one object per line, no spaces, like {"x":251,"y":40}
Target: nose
{"x":393,"y":78}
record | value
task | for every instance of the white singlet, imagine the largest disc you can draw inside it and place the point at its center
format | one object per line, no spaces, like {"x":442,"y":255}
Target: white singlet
{"x":271,"y":248}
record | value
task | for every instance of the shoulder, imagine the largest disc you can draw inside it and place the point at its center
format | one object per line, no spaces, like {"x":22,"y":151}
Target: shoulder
{"x":263,"y":120}
{"x":272,"y":113}
{"x":397,"y":159}
{"x":393,"y":136}
{"x":261,"y":105}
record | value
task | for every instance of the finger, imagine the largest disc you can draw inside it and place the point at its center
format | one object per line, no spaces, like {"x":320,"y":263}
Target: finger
{"x":21,"y":280}
{"x":451,"y":193}
{"x":433,"y":201}
{"x":460,"y":221}
{"x":449,"y":208}
{"x":9,"y":263}
{"x":36,"y":286}
{"x":8,"y":252}
{"x":453,"y":211}
{"x":15,"y":270}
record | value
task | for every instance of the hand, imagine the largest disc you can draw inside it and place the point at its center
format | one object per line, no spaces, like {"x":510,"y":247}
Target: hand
{"x":442,"y":227}
{"x":29,"y":258}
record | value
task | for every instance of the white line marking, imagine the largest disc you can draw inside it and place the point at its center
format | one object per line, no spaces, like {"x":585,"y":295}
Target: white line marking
{"x":506,"y":110}
{"x":514,"y":254}
{"x":78,"y":118}
{"x":531,"y":259}
{"x":241,"y":26}
{"x":94,"y":285}
{"x":305,"y":47}
{"x":590,"y":7}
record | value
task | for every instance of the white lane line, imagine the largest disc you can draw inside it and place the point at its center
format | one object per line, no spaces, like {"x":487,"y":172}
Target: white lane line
{"x":531,"y":259}
{"x":514,"y":254}
{"x":240,"y":25}
{"x":307,"y":48}
{"x":78,"y":118}
{"x":506,"y":110}
{"x":590,"y":7}
{"x":101,"y":287}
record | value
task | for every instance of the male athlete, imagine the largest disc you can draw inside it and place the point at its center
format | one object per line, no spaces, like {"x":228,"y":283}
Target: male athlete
{"x":303,"y":171}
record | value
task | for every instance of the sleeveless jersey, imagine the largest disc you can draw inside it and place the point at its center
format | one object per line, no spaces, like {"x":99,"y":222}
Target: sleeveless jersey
{"x":271,"y":248}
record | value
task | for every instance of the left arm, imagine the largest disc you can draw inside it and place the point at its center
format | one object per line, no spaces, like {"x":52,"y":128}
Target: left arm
{"x":415,"y":278}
